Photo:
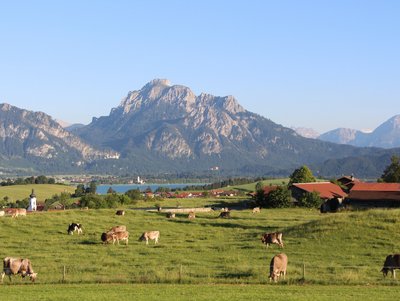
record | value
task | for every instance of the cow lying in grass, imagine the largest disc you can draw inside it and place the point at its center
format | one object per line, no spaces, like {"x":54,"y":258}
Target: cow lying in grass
{"x":14,"y":266}
{"x":153,"y":235}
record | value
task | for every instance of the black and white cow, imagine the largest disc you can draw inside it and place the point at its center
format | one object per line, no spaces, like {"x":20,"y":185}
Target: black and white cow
{"x":74,"y":227}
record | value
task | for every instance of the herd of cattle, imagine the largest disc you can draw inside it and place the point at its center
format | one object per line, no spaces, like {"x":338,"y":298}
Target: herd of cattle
{"x":278,"y":264}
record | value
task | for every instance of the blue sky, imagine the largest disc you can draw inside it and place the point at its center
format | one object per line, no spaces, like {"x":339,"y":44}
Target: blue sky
{"x":319,"y":64}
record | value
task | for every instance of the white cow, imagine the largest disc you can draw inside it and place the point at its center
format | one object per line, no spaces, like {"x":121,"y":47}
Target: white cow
{"x":153,"y":235}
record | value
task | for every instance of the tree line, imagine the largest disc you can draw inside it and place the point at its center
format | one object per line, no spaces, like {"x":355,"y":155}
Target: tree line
{"x":30,"y":180}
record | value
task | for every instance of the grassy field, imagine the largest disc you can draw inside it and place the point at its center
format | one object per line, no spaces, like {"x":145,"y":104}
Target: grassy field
{"x":327,"y":253}
{"x":42,"y":191}
{"x":252,"y":186}
{"x":156,"y":292}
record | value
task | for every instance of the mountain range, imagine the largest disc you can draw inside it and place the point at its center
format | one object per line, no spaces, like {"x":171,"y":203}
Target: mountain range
{"x":387,"y":135}
{"x":167,"y":129}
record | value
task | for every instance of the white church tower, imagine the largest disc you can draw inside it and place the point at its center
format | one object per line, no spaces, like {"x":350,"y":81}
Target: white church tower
{"x":32,"y":202}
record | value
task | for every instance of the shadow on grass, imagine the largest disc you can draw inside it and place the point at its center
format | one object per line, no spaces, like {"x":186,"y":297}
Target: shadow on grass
{"x":232,"y":225}
{"x":89,"y":242}
{"x":237,"y":275}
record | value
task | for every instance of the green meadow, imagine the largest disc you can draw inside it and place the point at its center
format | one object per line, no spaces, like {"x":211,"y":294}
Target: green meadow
{"x":42,"y":191}
{"x":343,"y":251}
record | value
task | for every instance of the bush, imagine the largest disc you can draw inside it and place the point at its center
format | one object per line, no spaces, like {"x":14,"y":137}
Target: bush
{"x":310,"y":200}
{"x":281,"y":197}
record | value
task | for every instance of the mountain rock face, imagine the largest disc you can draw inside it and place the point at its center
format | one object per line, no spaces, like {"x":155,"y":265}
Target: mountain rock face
{"x":167,"y":129}
{"x":170,"y":128}
{"x":387,"y":135}
{"x":306,"y":132}
{"x":34,"y":136}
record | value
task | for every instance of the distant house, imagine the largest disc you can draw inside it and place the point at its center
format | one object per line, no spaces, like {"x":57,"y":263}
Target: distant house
{"x":326,"y":190}
{"x":330,"y":193}
{"x":374,"y":195}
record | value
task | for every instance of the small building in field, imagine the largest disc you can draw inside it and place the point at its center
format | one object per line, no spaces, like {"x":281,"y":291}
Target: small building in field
{"x":374,"y":195}
{"x":32,"y":201}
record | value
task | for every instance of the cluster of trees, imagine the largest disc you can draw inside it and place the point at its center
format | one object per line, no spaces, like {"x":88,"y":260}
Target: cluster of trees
{"x":391,"y":174}
{"x":30,"y":180}
{"x":225,"y":183}
{"x":281,"y":196}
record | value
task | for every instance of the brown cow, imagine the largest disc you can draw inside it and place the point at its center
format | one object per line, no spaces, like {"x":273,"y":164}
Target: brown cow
{"x":191,"y":215}
{"x":14,"y":266}
{"x":121,"y":235}
{"x":107,"y":237}
{"x":117,"y":229}
{"x":278,"y":267}
{"x":392,"y":262}
{"x":120,"y":212}
{"x":256,"y":210}
{"x":154,"y":235}
{"x":15,"y":212}
{"x":272,"y":238}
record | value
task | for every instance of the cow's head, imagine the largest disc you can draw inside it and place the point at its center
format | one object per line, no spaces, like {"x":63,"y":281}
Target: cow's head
{"x":263,"y":239}
{"x":33,"y":276}
{"x":385,"y":271}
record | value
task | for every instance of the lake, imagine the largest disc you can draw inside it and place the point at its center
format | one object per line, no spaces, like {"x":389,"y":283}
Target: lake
{"x":122,"y":188}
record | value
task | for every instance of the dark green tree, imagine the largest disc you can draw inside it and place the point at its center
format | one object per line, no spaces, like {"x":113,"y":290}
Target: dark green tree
{"x":391,"y":173}
{"x":134,"y":194}
{"x":259,"y":186}
{"x":80,"y":190}
{"x":302,"y":175}
{"x":281,"y":197}
{"x":92,"y":187}
{"x":110,"y":190}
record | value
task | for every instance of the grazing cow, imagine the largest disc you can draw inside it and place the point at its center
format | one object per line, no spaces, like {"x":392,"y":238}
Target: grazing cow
{"x":113,"y":237}
{"x":106,"y":237}
{"x":120,"y":235}
{"x":14,"y":266}
{"x":153,"y":235}
{"x":392,"y":262}
{"x":191,"y":215}
{"x":117,"y":229}
{"x":278,"y":267}
{"x":256,"y":210}
{"x":74,"y":227}
{"x":272,"y":238}
{"x":170,"y":215}
{"x":120,"y":212}
{"x":15,"y":212}
{"x":225,"y":214}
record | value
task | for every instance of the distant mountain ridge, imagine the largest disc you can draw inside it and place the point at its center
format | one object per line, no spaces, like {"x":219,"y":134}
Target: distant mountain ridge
{"x":166,"y":129}
{"x":387,"y":135}
{"x":32,"y":138}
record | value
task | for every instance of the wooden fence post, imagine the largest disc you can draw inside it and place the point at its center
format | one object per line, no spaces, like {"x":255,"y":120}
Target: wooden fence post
{"x":63,"y":276}
{"x":180,"y":273}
